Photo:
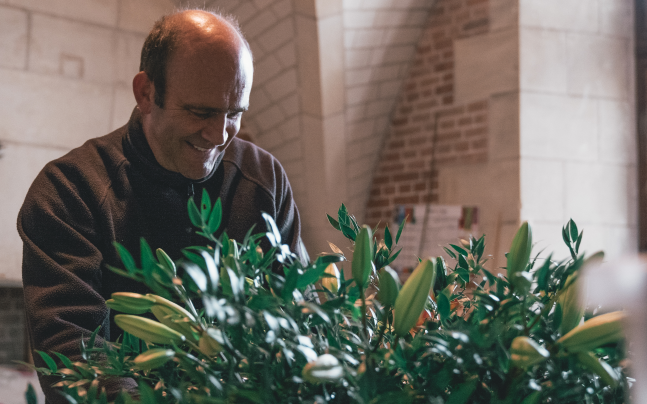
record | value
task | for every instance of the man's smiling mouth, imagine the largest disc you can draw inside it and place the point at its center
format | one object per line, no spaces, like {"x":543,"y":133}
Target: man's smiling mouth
{"x":200,"y":148}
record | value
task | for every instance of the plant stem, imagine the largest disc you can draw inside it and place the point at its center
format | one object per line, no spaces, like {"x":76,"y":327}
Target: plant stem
{"x":364,"y":324}
{"x":380,"y":336}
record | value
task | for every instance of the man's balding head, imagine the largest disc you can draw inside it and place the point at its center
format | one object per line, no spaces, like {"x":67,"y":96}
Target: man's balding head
{"x":182,"y":30}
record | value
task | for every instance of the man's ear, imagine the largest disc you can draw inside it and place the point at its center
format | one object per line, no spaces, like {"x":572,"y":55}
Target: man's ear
{"x":144,"y":91}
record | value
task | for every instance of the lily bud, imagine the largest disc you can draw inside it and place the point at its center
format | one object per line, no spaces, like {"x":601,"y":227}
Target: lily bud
{"x":131,"y":303}
{"x":572,"y":309}
{"x":389,"y":286}
{"x":154,"y":358}
{"x":332,"y":284}
{"x":412,"y":298}
{"x":362,"y":264}
{"x":324,"y":369}
{"x":525,"y":352}
{"x":209,"y":344}
{"x":519,"y":255}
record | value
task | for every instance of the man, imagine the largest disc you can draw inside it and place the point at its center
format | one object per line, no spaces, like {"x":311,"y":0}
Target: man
{"x":194,"y":85}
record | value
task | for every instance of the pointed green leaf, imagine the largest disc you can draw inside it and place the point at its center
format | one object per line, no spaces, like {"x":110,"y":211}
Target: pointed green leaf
{"x":579,"y":240}
{"x":48,"y":360}
{"x":205,"y":205}
{"x":387,"y":237}
{"x":519,"y":254}
{"x":397,"y":236}
{"x":333,"y":222}
{"x":194,"y":213}
{"x":215,"y":218}
{"x":573,"y":228}
{"x":458,"y":249}
{"x":362,"y":264}
{"x":450,"y":252}
{"x":126,"y":258}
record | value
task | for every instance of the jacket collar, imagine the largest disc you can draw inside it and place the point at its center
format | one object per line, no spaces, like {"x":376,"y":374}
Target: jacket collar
{"x":140,"y":154}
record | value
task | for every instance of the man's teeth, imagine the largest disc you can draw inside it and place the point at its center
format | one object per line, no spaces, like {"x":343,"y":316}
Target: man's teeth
{"x":200,"y":148}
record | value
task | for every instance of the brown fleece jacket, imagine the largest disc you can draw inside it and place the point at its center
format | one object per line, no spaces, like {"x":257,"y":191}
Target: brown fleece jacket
{"x":112,"y":189}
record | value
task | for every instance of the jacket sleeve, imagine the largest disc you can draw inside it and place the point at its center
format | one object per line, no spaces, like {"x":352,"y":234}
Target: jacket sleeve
{"x":287,"y":214}
{"x":62,"y":273}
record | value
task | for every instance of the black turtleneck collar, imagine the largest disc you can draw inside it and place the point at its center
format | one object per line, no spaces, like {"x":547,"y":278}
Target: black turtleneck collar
{"x":139,"y":153}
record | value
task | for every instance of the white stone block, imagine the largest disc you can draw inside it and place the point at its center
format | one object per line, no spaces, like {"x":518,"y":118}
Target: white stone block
{"x":543,"y":60}
{"x":290,"y":129}
{"x":395,"y":54}
{"x":258,"y":100}
{"x":598,"y":65}
{"x":349,"y":38}
{"x":399,"y":18}
{"x":290,"y":105}
{"x":261,"y":4}
{"x":352,"y":4}
{"x":616,"y":17}
{"x":243,"y":11}
{"x":140,"y":15}
{"x":359,"y":130}
{"x":289,"y":151}
{"x":128,"y":55}
{"x":359,"y":19}
{"x":389,"y":89}
{"x":282,"y":85}
{"x":547,"y":236}
{"x":269,"y":140}
{"x":103,"y":12}
{"x":282,"y":8}
{"x":360,"y":94}
{"x":379,"y":107}
{"x":357,"y":76}
{"x":485,"y":65}
{"x":269,"y":118}
{"x":600,"y":193}
{"x":355,"y":113}
{"x":559,"y":127}
{"x":266,"y":69}
{"x":617,"y":128}
{"x":366,"y":38}
{"x":542,"y":190}
{"x":377,"y":4}
{"x":258,"y":24}
{"x":287,"y":55}
{"x":357,"y":58}
{"x":19,"y":166}
{"x":384,"y":73}
{"x":122,"y":106}
{"x":401,"y":35}
{"x":72,"y":49}
{"x":568,"y":15}
{"x":52,"y":111}
{"x":13,"y":38}
{"x":277,"y":35}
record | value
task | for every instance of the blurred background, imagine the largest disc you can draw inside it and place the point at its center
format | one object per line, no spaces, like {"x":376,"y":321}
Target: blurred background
{"x":501,"y":110}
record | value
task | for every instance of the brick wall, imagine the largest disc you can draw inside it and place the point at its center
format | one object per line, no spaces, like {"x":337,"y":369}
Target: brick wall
{"x":429,"y":130}
{"x":13,"y":343}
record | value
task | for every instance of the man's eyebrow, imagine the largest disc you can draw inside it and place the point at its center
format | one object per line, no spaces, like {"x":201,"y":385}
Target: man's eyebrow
{"x":211,"y":109}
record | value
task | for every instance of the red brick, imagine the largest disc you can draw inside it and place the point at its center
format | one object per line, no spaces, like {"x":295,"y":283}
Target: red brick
{"x":421,"y":186}
{"x":410,"y":86}
{"x":375,"y":192}
{"x":480,"y":118}
{"x":448,"y":54}
{"x":405,"y":177}
{"x":461,"y":146}
{"x":404,"y":188}
{"x":444,"y":149}
{"x":421,"y":117}
{"x":391,"y":157}
{"x":448,"y":100}
{"x":412,"y":96}
{"x":427,"y":93}
{"x":380,"y":180}
{"x":396,"y":144}
{"x":451,"y":111}
{"x":407,"y":131}
{"x":447,"y":124}
{"x":390,"y":168}
{"x":389,"y":190}
{"x":417,"y":141}
{"x":429,"y":82}
{"x":427,"y":104}
{"x":443,"y":66}
{"x":400,"y":122}
{"x":464,"y":121}
{"x":403,"y":200}
{"x":405,"y":110}
{"x":373,"y":214}
{"x":448,"y":136}
{"x":430,"y":198}
{"x":477,"y":106}
{"x":424,"y":49}
{"x":476,"y":131}
{"x":448,"y":77}
{"x":473,"y":2}
{"x":445,"y":88}
{"x":479,"y":144}
{"x":375,"y":203}
{"x":443,"y":44}
{"x":480,"y":23}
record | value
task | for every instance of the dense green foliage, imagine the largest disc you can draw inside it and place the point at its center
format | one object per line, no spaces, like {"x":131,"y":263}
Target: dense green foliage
{"x":262,"y":336}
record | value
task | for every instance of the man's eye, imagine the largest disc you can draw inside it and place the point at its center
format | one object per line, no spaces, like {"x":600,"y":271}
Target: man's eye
{"x":202,"y":115}
{"x":234,"y":115}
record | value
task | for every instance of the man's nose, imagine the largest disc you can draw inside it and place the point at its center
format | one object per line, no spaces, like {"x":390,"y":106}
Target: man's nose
{"x":216,"y":130}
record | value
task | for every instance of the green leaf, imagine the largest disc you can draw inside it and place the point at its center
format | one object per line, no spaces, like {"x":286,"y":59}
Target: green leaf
{"x":462,"y":262}
{"x":397,"y":236}
{"x":48,"y":360}
{"x":387,"y":237}
{"x":462,"y":393}
{"x":65,"y":360}
{"x":194,"y":213}
{"x":126,"y":258}
{"x":291,"y":281}
{"x":205,"y":205}
{"x":464,"y":274}
{"x":333,"y":222}
{"x":579,"y":240}
{"x":215,"y":218}
{"x":490,"y":277}
{"x":197,"y":275}
{"x":393,"y":257}
{"x":312,"y":275}
{"x":30,"y":395}
{"x":273,"y":234}
{"x":443,"y":306}
{"x":519,"y":254}
{"x":450,"y":252}
{"x":573,"y":228}
{"x":93,"y":337}
{"x":362,"y":264}
{"x":458,"y":249}
{"x":166,"y":261}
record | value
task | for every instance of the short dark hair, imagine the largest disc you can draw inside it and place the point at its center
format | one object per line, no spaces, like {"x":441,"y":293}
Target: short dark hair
{"x":162,"y":41}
